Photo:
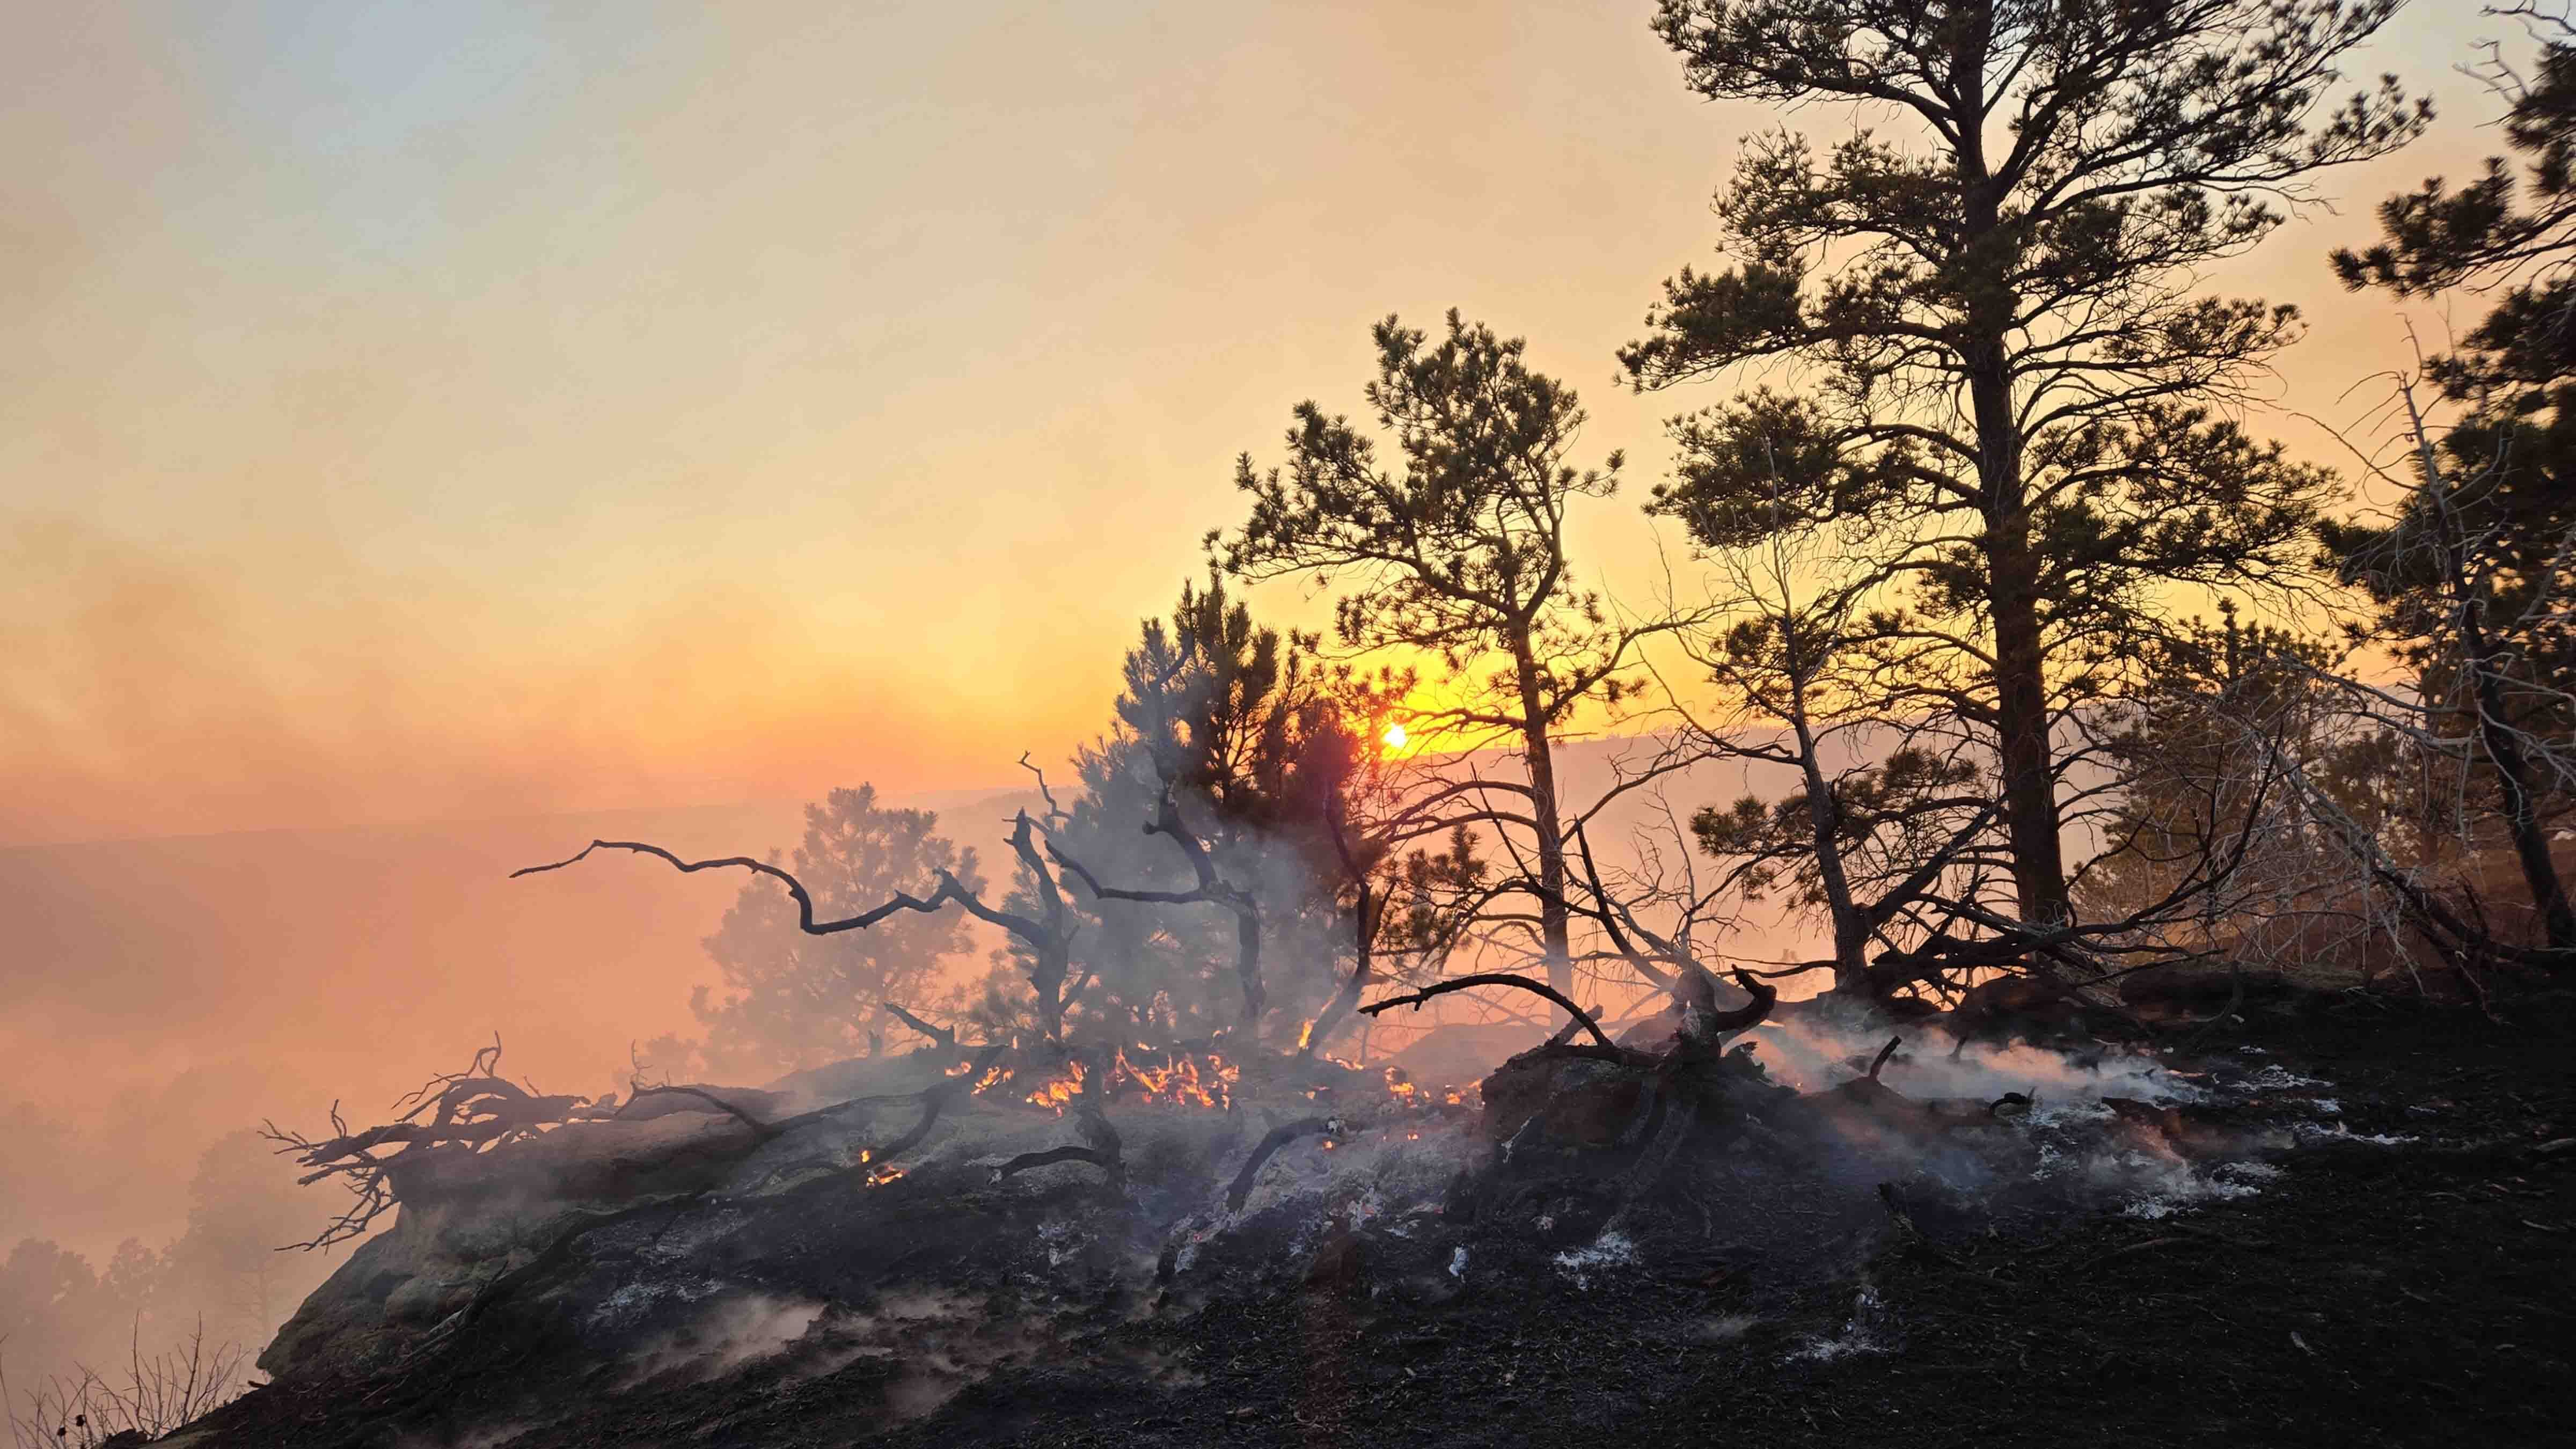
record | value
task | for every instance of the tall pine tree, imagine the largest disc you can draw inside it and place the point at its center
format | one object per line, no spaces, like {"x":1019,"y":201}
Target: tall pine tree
{"x":1991,"y":289}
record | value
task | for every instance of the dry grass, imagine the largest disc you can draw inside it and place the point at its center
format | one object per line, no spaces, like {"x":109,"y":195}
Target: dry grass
{"x":85,"y":1408}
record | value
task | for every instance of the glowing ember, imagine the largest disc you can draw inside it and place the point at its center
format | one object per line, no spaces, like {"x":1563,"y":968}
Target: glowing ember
{"x":882,"y":1174}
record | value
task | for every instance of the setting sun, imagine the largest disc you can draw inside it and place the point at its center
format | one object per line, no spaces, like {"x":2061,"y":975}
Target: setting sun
{"x":1394,"y":737}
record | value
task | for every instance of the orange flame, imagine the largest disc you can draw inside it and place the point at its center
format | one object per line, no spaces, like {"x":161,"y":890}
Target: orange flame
{"x":1181,"y":1081}
{"x":1059,"y":1093}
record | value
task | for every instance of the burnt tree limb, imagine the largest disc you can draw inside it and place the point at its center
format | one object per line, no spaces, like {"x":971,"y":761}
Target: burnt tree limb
{"x":761,"y":1131}
{"x":934,"y":1100}
{"x":949,"y":889}
{"x":1270,"y":1143}
{"x":1211,"y":889}
{"x":945,"y":1037}
{"x":1027,"y":1161}
{"x":1495,"y":978}
{"x":1050,"y":941}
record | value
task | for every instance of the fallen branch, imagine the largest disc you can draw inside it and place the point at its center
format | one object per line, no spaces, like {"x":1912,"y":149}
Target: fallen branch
{"x":1494,"y":978}
{"x":760,"y":1131}
{"x":1750,"y":1014}
{"x":946,"y":1037}
{"x":476,"y":1109}
{"x":934,"y":1100}
{"x":1053,"y":1155}
{"x":1277,"y":1137}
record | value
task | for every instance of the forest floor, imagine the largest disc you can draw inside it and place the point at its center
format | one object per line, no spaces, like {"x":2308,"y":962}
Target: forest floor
{"x":2407,"y":1292}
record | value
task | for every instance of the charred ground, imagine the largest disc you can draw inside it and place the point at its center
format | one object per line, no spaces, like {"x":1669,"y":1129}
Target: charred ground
{"x":2397,"y":1292}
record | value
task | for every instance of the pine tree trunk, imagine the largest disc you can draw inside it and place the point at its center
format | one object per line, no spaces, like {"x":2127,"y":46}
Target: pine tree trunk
{"x":2029,"y":764}
{"x":2027,"y":757}
{"x":1538,"y":754}
{"x":2521,"y":810}
{"x":2020,"y":669}
{"x":1824,"y":818}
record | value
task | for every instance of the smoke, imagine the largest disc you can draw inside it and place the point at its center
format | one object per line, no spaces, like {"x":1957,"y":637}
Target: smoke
{"x":738,"y":1331}
{"x":1811,"y":1052}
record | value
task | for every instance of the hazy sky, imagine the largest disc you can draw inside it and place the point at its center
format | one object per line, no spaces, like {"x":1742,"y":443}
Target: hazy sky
{"x":466,"y":408}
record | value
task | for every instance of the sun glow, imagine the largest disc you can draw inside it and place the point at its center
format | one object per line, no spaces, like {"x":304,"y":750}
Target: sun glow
{"x":1394,"y":737}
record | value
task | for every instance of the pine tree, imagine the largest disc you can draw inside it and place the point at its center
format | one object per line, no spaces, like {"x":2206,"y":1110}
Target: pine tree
{"x":1991,"y":290}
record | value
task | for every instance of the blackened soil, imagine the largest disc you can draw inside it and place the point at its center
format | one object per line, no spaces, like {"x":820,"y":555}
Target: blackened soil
{"x":2416,"y":1293}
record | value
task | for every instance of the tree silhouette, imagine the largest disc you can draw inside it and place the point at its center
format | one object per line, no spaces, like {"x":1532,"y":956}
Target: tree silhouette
{"x":2473,"y":575}
{"x":1452,"y":543}
{"x":1991,"y":285}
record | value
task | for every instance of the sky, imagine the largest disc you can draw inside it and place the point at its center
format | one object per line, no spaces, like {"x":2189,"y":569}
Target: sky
{"x":421,"y":412}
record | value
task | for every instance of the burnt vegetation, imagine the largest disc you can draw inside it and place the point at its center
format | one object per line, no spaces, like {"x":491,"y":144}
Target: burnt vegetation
{"x":2045,"y":818}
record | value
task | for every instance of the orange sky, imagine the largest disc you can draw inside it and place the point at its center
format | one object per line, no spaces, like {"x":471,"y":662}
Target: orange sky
{"x":480,"y":411}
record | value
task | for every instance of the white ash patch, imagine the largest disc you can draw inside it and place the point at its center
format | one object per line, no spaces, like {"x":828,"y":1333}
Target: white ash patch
{"x":2067,"y":1112}
{"x":2278,"y":1078}
{"x":1858,"y":1334}
{"x":1724,"y":1330}
{"x":2338,"y":1132}
{"x":1062,"y":1238}
{"x":2198,"y":1192}
{"x":634,"y":1300}
{"x":1458,"y":1263}
{"x":1613,"y":1249}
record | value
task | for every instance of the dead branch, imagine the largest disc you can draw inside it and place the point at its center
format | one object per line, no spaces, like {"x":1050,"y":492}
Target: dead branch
{"x":1055,"y":813}
{"x":1276,"y":1138}
{"x":1053,"y":1155}
{"x":1750,"y":1014}
{"x":760,"y":1131}
{"x":1211,"y":889}
{"x":1884,"y":1053}
{"x":475,"y":1110}
{"x":1101,"y":1147}
{"x":1493,"y":978}
{"x":949,"y":889}
{"x":934,"y":1100}
{"x":1050,"y":941}
{"x":946,"y":1037}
